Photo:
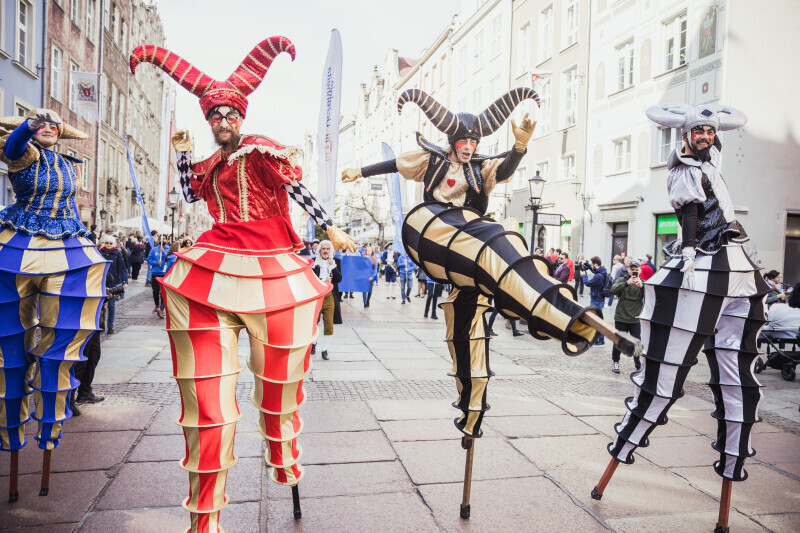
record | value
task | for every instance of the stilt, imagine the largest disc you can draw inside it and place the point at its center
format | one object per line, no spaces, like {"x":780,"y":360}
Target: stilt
{"x":468,"y":443}
{"x":724,"y":507}
{"x":597,"y":491}
{"x":45,"y":473}
{"x":13,"y":492}
{"x":298,"y":514}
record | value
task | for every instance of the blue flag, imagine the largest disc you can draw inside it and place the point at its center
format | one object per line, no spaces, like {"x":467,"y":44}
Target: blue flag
{"x":396,"y":201}
{"x":355,"y":274}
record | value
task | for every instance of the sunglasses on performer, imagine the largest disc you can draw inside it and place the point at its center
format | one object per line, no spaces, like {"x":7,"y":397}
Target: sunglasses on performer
{"x":216,"y":118}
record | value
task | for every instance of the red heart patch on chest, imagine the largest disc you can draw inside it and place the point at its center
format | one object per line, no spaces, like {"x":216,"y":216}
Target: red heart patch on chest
{"x":451,"y":182}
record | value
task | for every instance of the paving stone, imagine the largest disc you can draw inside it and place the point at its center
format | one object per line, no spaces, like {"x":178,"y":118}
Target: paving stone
{"x":635,"y":490}
{"x":413,"y":409}
{"x":524,"y":504}
{"x":77,"y":452}
{"x":396,"y":513}
{"x":605,"y":425}
{"x":590,"y":405}
{"x":152,"y":376}
{"x":428,"y":374}
{"x":164,"y":421}
{"x":238,"y":517}
{"x":400,"y":345}
{"x":790,"y":413}
{"x":780,"y":523}
{"x":50,"y":528}
{"x":100,"y":417}
{"x":172,"y":447}
{"x":693,"y":403}
{"x":765,"y":491}
{"x":349,"y":447}
{"x":669,"y":452}
{"x":538,"y":426}
{"x":356,"y":374}
{"x":425,"y":353}
{"x":792,"y":468}
{"x":699,"y":421}
{"x":383,"y":334}
{"x":683,"y":522}
{"x":160,"y":365}
{"x":340,"y":357}
{"x":519,"y":406}
{"x":443,"y":461}
{"x":105,"y":375}
{"x":434,"y":363}
{"x":325,"y":417}
{"x":511,"y":369}
{"x":567,"y":452}
{"x":71,"y":494}
{"x":324,"y":481}
{"x":436,"y":429}
{"x":777,"y":448}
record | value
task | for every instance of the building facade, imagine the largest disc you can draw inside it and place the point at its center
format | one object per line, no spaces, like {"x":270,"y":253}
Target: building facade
{"x":22,"y":60}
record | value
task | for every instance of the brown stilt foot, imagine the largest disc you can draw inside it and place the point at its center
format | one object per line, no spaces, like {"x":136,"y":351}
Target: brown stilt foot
{"x":45,"y":473}
{"x":597,"y":491}
{"x":13,"y":492}
{"x":298,"y":514}
{"x":468,"y":443}
{"x":724,"y":507}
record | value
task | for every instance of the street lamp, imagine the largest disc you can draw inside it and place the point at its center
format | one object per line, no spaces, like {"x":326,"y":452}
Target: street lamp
{"x":535,"y":186}
{"x":173,"y":205}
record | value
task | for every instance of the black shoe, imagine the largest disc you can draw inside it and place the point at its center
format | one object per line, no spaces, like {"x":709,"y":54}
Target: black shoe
{"x":394,"y":298}
{"x":403,"y":302}
{"x":615,"y":367}
{"x":74,"y":408}
{"x":434,"y":317}
{"x":91,"y":398}
{"x":518,"y":334}
{"x":110,"y":331}
{"x":492,"y":333}
{"x":388,"y":297}
{"x":325,"y":354}
{"x":313,"y":349}
{"x":638,"y":363}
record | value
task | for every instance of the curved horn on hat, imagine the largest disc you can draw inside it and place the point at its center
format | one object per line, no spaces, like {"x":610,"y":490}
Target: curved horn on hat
{"x":442,"y":119}
{"x":496,"y":114}
{"x":672,"y":116}
{"x":250,"y":73}
{"x":187,"y":75}
{"x":730,"y":118}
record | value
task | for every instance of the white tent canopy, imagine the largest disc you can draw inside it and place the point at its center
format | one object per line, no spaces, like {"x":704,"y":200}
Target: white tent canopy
{"x":136,"y":224}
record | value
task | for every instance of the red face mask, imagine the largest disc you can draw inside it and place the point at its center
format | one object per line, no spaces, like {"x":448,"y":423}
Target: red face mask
{"x":471,"y":142}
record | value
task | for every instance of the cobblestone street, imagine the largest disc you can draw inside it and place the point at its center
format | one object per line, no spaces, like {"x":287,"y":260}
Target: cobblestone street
{"x":381,"y":450}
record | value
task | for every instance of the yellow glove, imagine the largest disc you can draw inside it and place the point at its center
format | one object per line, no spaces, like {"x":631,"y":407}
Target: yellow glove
{"x":340,"y":239}
{"x":522,"y":133}
{"x":181,"y":141}
{"x":351,"y":174}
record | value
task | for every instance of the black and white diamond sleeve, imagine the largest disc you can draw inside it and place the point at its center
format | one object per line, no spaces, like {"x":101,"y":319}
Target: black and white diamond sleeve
{"x":303,"y":196}
{"x":185,"y":174}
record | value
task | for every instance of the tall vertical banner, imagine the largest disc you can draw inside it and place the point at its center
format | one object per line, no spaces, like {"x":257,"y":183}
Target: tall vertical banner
{"x":310,"y":230}
{"x":145,"y":224}
{"x":328,"y":127}
{"x":166,"y":147}
{"x":395,"y":201}
{"x":85,"y":86}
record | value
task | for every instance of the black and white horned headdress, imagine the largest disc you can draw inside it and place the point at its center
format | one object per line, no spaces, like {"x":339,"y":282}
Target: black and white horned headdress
{"x":686,"y":117}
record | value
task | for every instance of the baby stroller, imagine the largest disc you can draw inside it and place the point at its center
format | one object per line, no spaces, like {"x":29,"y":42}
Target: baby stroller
{"x":781,"y":350}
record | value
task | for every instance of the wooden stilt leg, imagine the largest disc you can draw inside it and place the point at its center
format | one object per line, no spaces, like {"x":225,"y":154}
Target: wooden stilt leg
{"x":724,"y":507}
{"x":597,"y":492}
{"x":468,"y":443}
{"x":45,"y":473}
{"x":13,"y":492}
{"x":298,"y":514}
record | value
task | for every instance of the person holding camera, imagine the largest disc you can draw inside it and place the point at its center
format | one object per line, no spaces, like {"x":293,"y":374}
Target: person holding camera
{"x":580,"y":267}
{"x":596,"y":284}
{"x":157,"y":263}
{"x":116,"y":278}
{"x":629,"y":291}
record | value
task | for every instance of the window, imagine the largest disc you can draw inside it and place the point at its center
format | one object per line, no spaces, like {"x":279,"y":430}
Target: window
{"x":491,"y":150}
{"x":545,"y":34}
{"x":524,"y":50}
{"x":115,"y":23}
{"x":476,"y":100}
{"x":123,"y":40}
{"x":103,"y":97}
{"x":22,"y":109}
{"x":543,"y":117}
{"x":113,"y":109}
{"x":520,"y":178}
{"x":101,"y":155}
{"x":462,"y":62}
{"x":107,"y":15}
{"x":441,"y":70}
{"x":625,"y":66}
{"x":57,"y":74}
{"x":2,"y":34}
{"x":25,"y":24}
{"x":570,"y":97}
{"x":668,"y":139}
{"x":90,"y":7}
{"x":675,"y":43}
{"x":622,"y":154}
{"x":543,"y":168}
{"x":497,"y":35}
{"x":477,"y":59}
{"x":494,"y":86}
{"x":121,"y":123}
{"x":86,"y":174}
{"x":73,"y":88}
{"x":75,"y":12}
{"x":570,"y":22}
{"x":567,"y":167}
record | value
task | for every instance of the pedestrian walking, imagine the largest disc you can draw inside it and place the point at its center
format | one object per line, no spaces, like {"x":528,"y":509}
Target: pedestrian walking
{"x":422,"y":282}
{"x":116,"y":279}
{"x":617,"y":267}
{"x":154,"y":238}
{"x":405,"y":272}
{"x":137,"y":258}
{"x":629,"y":290}
{"x":389,"y":260}
{"x":157,"y":267}
{"x":373,"y":278}
{"x":562,"y":271}
{"x":84,"y":372}
{"x":328,"y":269}
{"x":434,"y":290}
{"x":580,"y":268}
{"x":599,"y":279}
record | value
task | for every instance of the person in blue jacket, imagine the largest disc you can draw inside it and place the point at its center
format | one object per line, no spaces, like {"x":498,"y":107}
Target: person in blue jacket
{"x":373,"y":278}
{"x":405,"y":270}
{"x":595,"y":285}
{"x":157,"y":263}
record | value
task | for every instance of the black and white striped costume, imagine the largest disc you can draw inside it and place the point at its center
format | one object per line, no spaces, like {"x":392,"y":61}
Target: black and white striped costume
{"x":721,"y":315}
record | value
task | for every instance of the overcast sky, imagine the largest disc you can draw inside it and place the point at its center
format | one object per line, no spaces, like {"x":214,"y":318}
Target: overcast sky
{"x":216,"y":36}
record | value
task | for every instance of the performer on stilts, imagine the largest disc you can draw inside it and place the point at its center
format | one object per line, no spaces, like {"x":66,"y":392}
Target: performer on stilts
{"x":242,"y":274}
{"x":452,"y":242}
{"x":51,"y":277}
{"x":708,"y":296}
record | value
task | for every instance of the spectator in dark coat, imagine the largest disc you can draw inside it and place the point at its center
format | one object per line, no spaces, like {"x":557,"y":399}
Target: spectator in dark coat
{"x":629,"y":291}
{"x":116,"y":278}
{"x":595,"y":285}
{"x":562,"y":270}
{"x":137,"y":258}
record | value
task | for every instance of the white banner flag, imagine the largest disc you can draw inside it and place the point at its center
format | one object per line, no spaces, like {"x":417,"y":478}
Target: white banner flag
{"x":328,"y":128}
{"x":166,"y":149}
{"x":85,"y":86}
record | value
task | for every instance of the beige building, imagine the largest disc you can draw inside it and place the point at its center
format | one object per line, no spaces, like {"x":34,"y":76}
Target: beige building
{"x":550,"y":49}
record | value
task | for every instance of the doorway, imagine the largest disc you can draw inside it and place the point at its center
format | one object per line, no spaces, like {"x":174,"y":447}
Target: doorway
{"x":791,"y":255}
{"x":619,"y":239}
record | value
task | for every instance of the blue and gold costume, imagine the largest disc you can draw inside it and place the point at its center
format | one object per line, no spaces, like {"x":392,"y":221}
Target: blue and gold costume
{"x":51,"y":277}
